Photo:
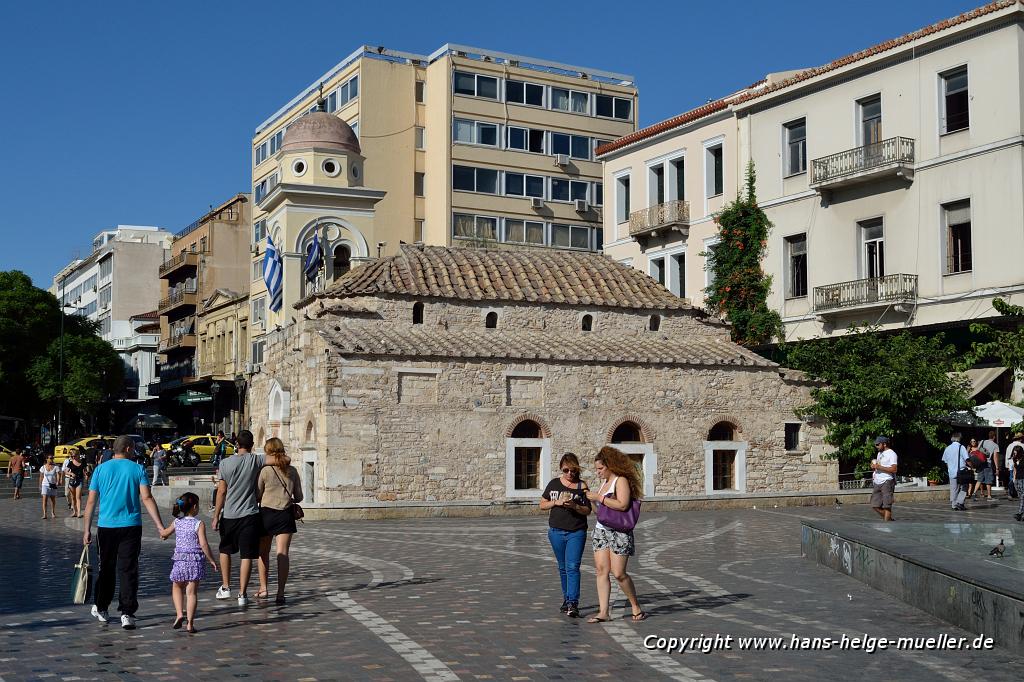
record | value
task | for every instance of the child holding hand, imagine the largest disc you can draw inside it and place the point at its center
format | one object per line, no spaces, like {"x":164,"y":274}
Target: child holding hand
{"x":190,"y":547}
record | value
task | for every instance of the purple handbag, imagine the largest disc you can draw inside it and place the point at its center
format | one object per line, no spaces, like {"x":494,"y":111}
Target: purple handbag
{"x":621,"y":521}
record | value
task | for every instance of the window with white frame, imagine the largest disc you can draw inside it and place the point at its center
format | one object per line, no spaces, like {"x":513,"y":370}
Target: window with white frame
{"x":576,"y":146}
{"x":572,"y":101}
{"x":796,"y":266}
{"x":955,"y":112}
{"x":522,"y":185}
{"x":525,"y":139}
{"x":714,"y":170}
{"x":527,"y":459}
{"x":470,"y":179}
{"x":524,"y":231}
{"x":276,"y":140}
{"x":613,"y":107}
{"x":959,"y":257}
{"x":259,"y":231}
{"x":264,"y":186}
{"x":259,"y":311}
{"x":622,"y":198}
{"x":570,"y":236}
{"x":344,"y":94}
{"x":421,"y":91}
{"x":475,"y":85}
{"x":569,"y":190}
{"x":872,"y":236}
{"x":106,"y":267}
{"x":417,"y":234}
{"x":466,"y":226}
{"x":475,"y":132}
{"x":257,"y":352}
{"x":521,"y":92}
{"x":104,"y":322}
{"x":656,"y":269}
{"x":421,"y":134}
{"x":796,"y":146}
{"x":262,"y":152}
{"x":257,"y":270}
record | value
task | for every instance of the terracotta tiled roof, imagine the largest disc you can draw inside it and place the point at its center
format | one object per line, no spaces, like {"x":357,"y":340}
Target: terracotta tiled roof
{"x":877,"y":49}
{"x":525,"y":344}
{"x":666,"y":125}
{"x":511,"y":275}
{"x":151,"y":315}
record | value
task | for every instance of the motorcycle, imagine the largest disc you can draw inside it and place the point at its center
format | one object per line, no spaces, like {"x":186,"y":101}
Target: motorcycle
{"x":182,"y":457}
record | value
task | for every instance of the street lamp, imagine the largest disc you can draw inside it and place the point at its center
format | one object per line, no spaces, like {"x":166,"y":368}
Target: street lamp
{"x":214,"y":390}
{"x":239,"y":387}
{"x":60,"y":369}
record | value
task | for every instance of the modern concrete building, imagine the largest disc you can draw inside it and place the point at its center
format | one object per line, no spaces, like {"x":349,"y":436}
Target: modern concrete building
{"x":468,"y":146}
{"x":208,"y":258}
{"x":114,"y":284}
{"x":139,"y":354}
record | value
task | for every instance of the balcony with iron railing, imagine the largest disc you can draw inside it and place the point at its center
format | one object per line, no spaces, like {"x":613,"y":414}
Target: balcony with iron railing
{"x":183,"y":297}
{"x":889,"y":158}
{"x":671,"y":215}
{"x":178,"y":341}
{"x":863,"y":294}
{"x":186,"y":259}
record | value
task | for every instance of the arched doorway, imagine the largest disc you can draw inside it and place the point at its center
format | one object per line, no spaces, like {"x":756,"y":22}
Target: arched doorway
{"x":527,"y":459}
{"x":628,"y":438}
{"x":725,"y":459}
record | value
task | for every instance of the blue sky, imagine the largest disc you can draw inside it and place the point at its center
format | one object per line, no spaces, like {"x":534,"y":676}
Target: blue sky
{"x":142,"y":112}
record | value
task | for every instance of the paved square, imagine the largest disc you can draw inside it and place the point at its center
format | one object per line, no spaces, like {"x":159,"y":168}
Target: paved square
{"x":470,"y":599}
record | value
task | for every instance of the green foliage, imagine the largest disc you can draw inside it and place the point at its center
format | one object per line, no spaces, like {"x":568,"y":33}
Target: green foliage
{"x":937,"y":473}
{"x":1004,"y":345}
{"x":880,"y":384}
{"x":740,"y":288}
{"x":92,"y":372}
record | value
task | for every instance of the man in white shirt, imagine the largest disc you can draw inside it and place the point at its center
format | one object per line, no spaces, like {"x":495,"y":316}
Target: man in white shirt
{"x":955,"y":459}
{"x":883,"y":479}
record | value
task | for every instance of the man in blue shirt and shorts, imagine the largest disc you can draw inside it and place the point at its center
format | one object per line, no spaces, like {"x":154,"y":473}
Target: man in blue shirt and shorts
{"x":121,"y":488}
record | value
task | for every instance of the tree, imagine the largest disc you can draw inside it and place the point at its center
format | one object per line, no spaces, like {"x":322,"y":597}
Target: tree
{"x":739,"y":290}
{"x":898,"y":385}
{"x":1004,"y":345}
{"x":92,"y":371}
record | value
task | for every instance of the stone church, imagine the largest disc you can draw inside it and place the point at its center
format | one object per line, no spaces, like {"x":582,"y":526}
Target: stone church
{"x":459,"y":376}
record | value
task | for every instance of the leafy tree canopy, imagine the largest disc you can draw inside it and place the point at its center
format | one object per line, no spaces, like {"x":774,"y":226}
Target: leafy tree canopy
{"x":93,"y":371}
{"x":896,"y":385}
{"x":740,"y":288}
{"x":1004,"y":345}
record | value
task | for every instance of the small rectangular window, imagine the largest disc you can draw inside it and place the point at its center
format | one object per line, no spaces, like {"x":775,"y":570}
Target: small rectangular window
{"x":535,"y":186}
{"x":570,"y":236}
{"x":463,"y":131}
{"x":417,"y":231}
{"x":622,"y":199}
{"x":463,"y":178}
{"x":257,"y":270}
{"x":420,"y":137}
{"x":723,"y":474}
{"x":796,"y":147}
{"x":796,"y":275}
{"x":259,"y":231}
{"x":559,"y":189}
{"x":527,"y":469}
{"x":487,"y":133}
{"x":714,"y":171}
{"x":519,"y":185}
{"x":535,"y":141}
{"x":487,"y":180}
{"x":421,"y":91}
{"x":465,"y":83}
{"x":792,"y":436}
{"x":598,"y":194}
{"x":570,"y":100}
{"x":418,"y":179}
{"x":613,"y":107}
{"x":955,"y":97}
{"x":516,"y":138}
{"x":959,"y":257}
{"x":465,"y":226}
{"x":524,"y":232}
{"x":519,"y":92}
{"x":475,"y":132}
{"x":657,"y":270}
{"x":475,"y":85}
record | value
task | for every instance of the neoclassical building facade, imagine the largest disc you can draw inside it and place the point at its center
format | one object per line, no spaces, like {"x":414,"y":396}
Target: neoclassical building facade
{"x":447,"y":375}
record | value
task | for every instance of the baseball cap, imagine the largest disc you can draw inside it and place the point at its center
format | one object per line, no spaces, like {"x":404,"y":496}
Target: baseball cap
{"x":881,"y":439}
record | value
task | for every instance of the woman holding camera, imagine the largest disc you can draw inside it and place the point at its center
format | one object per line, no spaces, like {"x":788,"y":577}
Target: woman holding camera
{"x":566,"y":499}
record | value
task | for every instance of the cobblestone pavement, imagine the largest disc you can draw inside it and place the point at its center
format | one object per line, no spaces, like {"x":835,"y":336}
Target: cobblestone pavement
{"x":469,"y":599}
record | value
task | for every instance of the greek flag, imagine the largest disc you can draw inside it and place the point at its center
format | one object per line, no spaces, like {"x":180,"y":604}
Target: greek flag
{"x":273,"y":272}
{"x":314,"y":259}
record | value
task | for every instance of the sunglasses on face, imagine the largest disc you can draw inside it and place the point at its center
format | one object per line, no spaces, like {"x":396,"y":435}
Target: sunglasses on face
{"x":568,"y":471}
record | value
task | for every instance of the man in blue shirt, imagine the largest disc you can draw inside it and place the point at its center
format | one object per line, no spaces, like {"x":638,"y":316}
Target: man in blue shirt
{"x":955,"y":458}
{"x":121,"y":489}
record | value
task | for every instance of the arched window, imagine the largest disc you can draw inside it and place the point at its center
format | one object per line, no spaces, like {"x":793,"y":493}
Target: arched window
{"x":627,"y":432}
{"x":417,"y":313}
{"x":309,"y":432}
{"x":587,"y":323}
{"x":527,"y":429}
{"x":491,"y":321}
{"x":655,"y":323}
{"x":341,"y":261}
{"x":722,"y":431}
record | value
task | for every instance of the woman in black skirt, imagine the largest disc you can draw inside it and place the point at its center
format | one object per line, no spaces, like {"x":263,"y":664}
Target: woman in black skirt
{"x":278,"y":490}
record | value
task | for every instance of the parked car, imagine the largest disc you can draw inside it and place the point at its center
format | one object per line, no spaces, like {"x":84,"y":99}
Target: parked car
{"x":203,"y":446}
{"x":5,"y":457}
{"x":61,"y":452}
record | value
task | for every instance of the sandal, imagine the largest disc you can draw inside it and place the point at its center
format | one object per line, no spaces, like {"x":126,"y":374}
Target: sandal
{"x":262,"y":594}
{"x":191,"y":629}
{"x":178,"y":622}
{"x":637,"y":617}
{"x":597,"y":619}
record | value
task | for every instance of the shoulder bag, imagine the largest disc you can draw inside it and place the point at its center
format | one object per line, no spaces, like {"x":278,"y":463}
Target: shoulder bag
{"x":964,"y":476}
{"x":297,"y":512}
{"x":81,"y":581}
{"x":622,"y":521}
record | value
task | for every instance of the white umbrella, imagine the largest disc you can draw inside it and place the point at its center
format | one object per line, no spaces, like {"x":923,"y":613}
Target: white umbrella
{"x":999,"y":415}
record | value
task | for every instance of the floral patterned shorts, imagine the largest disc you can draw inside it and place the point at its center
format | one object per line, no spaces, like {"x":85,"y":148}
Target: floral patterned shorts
{"x":620,"y":543}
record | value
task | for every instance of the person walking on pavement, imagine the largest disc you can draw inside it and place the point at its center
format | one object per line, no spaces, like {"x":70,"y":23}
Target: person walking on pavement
{"x":16,"y":472}
{"x":955,"y":459}
{"x":565,"y":498}
{"x":49,"y":484}
{"x":74,"y":473}
{"x":188,"y":570}
{"x":159,"y":464}
{"x":65,"y":478}
{"x":241,"y":526}
{"x":278,"y":490}
{"x":1017,"y":457}
{"x":220,"y":451}
{"x":120,"y":488}
{"x":991,"y":449}
{"x":883,"y":478}
{"x":1018,"y":441}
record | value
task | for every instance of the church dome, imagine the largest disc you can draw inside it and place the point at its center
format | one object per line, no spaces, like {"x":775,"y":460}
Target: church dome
{"x":320,"y":129}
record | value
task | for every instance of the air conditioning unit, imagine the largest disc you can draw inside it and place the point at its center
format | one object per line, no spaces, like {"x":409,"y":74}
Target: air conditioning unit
{"x":582,"y":206}
{"x":536,"y":202}
{"x":248,"y":368}
{"x":561,"y":160}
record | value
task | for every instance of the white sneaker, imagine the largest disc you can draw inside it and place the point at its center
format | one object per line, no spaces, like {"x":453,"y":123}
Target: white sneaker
{"x":101,"y":616}
{"x":128,"y":622}
{"x":243,"y":600}
{"x":223,"y":592}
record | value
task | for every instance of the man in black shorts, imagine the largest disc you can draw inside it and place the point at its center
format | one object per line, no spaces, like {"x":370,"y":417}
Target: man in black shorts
{"x":240,"y":527}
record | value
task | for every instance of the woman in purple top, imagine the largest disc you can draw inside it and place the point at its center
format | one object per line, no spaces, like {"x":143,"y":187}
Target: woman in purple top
{"x":190,"y":548}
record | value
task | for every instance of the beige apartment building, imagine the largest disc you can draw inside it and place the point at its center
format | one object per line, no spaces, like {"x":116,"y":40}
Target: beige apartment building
{"x":461,"y":147}
{"x":209,"y":261}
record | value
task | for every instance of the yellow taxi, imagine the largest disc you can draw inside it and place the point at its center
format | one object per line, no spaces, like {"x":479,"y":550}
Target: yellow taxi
{"x":201,"y":445}
{"x":5,"y":457}
{"x":61,"y":452}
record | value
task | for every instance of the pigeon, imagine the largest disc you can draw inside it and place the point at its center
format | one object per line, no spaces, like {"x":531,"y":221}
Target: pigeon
{"x":850,"y":597}
{"x":837,"y":504}
{"x":998,"y":550}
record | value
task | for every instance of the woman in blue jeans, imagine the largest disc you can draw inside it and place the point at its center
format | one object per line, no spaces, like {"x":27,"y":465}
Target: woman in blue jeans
{"x":567,"y":501}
